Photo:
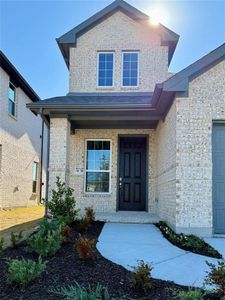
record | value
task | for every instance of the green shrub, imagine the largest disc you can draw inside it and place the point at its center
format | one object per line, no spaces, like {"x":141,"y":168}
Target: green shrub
{"x":90,"y":214}
{"x":188,"y":242}
{"x":16,"y":238}
{"x":2,"y":240}
{"x":142,"y":276}
{"x":77,"y":292}
{"x":48,"y":240}
{"x":23,"y":271}
{"x":63,"y":204}
{"x":216,"y":276}
{"x":191,"y":294}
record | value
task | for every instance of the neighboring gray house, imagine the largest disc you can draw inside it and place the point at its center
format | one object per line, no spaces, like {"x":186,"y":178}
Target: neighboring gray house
{"x":128,"y":136}
{"x":20,"y":141}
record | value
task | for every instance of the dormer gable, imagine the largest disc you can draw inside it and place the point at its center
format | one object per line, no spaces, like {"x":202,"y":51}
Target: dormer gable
{"x":69,"y":39}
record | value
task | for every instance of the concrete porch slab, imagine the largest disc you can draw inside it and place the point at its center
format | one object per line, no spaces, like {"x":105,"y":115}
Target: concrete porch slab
{"x":139,"y":217}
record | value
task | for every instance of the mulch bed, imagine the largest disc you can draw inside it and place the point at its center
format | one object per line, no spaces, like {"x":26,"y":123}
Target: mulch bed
{"x":206,"y":249}
{"x":65,"y":268}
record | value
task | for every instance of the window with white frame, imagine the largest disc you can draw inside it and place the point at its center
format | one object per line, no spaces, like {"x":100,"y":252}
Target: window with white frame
{"x":105,"y":69}
{"x":130,"y":68}
{"x":12,"y":99}
{"x":98,"y":166}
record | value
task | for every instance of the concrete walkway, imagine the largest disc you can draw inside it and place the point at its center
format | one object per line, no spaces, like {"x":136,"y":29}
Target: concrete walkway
{"x":124,"y":244}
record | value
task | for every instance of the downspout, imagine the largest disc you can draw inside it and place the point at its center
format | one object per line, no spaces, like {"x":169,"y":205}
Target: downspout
{"x":47,"y":175}
{"x":47,"y":163}
{"x":41,"y":160}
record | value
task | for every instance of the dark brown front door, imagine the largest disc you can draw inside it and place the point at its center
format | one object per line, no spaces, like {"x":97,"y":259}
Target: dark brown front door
{"x":132,"y":173}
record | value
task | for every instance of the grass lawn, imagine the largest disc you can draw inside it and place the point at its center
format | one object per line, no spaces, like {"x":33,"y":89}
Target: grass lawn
{"x":17,"y":219}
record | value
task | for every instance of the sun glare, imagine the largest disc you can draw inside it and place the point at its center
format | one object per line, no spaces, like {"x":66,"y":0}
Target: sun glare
{"x":158,"y":15}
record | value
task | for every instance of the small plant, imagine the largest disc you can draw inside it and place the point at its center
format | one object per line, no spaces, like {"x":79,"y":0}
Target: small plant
{"x":77,"y":292}
{"x":142,"y":276}
{"x":83,"y":224}
{"x":48,"y":240}
{"x":23,"y":271}
{"x":2,"y":240}
{"x":66,"y":233}
{"x":16,"y":238}
{"x":62,"y":203}
{"x":85,"y":247}
{"x":191,"y":294}
{"x":90,"y":214}
{"x":216,"y":276}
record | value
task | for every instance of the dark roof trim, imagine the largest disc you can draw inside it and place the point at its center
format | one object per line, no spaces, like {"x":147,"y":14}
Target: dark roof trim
{"x":180,"y":81}
{"x":103,"y":105}
{"x":68,"y":39}
{"x":178,"y":84}
{"x":97,"y":100}
{"x":17,"y":78}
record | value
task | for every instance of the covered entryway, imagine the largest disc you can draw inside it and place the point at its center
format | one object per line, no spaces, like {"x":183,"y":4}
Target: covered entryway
{"x":218,"y":158}
{"x":132,"y":173}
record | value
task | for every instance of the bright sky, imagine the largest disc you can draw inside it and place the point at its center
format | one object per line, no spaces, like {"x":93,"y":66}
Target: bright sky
{"x":28,"y":30}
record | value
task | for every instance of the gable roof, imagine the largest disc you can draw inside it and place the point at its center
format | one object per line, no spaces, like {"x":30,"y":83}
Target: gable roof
{"x":168,"y":37}
{"x":17,"y":78}
{"x":166,"y":91}
{"x":180,"y":81}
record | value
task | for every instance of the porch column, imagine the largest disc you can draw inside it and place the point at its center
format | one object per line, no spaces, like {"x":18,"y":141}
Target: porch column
{"x":59,"y":151}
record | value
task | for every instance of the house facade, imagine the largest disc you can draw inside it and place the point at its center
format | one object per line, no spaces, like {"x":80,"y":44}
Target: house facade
{"x":20,"y":141}
{"x":129,"y":136}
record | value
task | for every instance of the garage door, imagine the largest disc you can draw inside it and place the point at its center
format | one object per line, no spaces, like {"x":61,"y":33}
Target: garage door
{"x":218,"y":156}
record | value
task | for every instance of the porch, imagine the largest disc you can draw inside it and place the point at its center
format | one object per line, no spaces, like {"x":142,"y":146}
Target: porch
{"x":133,"y":217}
{"x":107,"y":147}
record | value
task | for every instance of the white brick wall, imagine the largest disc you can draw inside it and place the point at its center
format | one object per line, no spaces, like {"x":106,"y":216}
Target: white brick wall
{"x":180,"y":150}
{"x":118,"y":33}
{"x":195,"y":114}
{"x":166,"y":167}
{"x":20,"y":140}
{"x":180,"y":157}
{"x":59,"y":155}
{"x":59,"y":151}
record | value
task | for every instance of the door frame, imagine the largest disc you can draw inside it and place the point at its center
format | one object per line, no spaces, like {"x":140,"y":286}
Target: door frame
{"x":214,"y":123}
{"x":146,"y":136}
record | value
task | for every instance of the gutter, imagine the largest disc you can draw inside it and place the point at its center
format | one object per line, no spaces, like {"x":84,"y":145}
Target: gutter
{"x":89,"y":106}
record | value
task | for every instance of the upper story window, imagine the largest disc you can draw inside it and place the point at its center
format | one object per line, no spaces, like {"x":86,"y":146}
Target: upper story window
{"x":105,"y":69}
{"x":98,"y":166}
{"x":12,"y":99}
{"x":130,"y":68}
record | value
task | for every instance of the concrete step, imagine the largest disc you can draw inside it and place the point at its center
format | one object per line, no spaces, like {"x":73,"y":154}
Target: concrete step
{"x":135,"y":217}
